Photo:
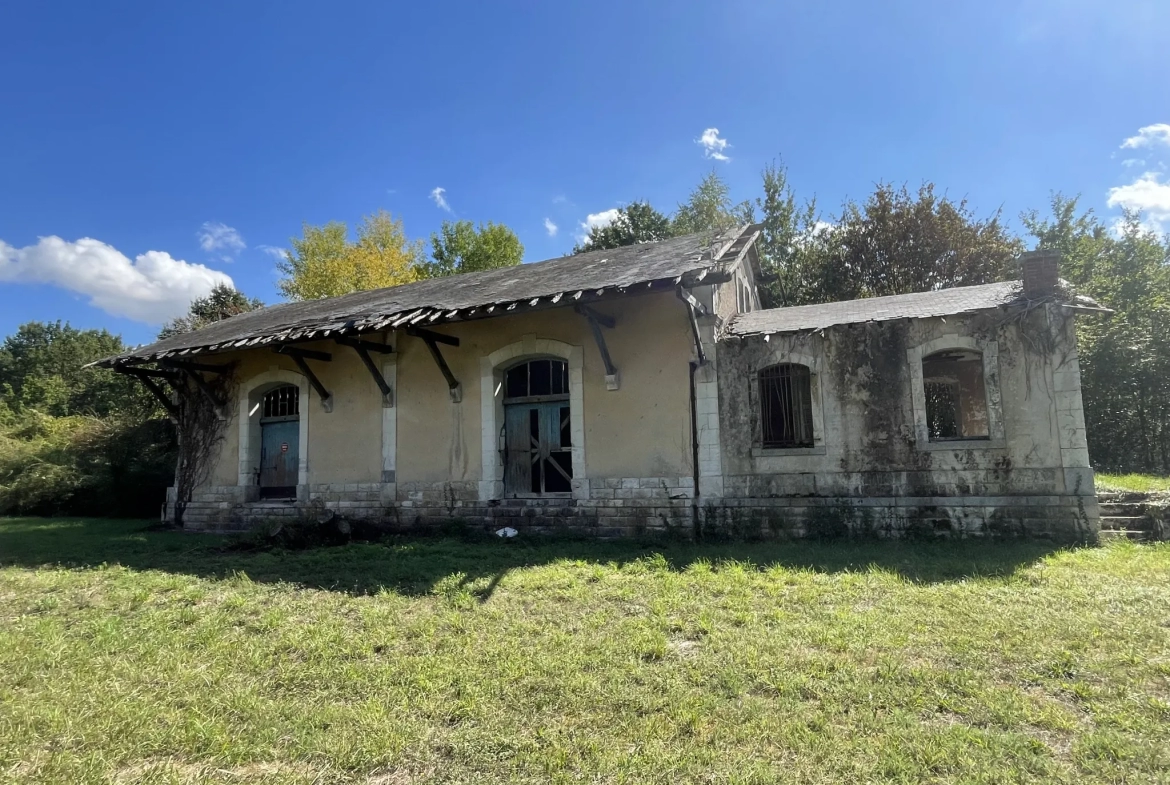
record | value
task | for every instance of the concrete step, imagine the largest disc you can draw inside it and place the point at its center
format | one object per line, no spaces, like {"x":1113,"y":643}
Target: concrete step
{"x":1122,"y":508}
{"x":1127,"y":522}
{"x":1122,"y":534}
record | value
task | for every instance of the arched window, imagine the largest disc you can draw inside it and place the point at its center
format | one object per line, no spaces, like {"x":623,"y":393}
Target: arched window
{"x":537,"y":432}
{"x":956,"y":396}
{"x":283,"y":401}
{"x":786,"y":416}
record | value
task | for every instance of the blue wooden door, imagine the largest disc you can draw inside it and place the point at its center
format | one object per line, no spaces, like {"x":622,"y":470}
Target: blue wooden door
{"x":279,"y":456}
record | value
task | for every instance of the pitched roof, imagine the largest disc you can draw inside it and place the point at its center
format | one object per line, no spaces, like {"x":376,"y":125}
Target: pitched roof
{"x":591,"y":275}
{"x":943,"y":302}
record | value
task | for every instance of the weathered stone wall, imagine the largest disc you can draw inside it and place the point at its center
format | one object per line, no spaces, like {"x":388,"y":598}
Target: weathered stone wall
{"x":871,"y":457}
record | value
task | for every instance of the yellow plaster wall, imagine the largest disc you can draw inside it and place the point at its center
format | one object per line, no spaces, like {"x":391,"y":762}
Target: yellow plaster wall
{"x":640,"y":430}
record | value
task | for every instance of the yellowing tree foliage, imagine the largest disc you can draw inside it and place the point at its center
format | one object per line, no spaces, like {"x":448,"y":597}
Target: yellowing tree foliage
{"x":325,"y":263}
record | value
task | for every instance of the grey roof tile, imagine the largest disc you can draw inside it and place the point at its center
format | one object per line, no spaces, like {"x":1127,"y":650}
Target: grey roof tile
{"x":442,"y":298}
{"x":943,"y":302}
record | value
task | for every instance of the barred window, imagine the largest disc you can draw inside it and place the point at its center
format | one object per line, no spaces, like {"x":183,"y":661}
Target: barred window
{"x":786,"y":406}
{"x":956,"y":397}
{"x":283,"y":401}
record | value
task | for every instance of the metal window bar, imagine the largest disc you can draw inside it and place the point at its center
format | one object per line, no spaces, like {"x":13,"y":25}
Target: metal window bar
{"x":284,"y":401}
{"x":786,"y":406}
{"x":942,"y":410}
{"x":537,"y":379}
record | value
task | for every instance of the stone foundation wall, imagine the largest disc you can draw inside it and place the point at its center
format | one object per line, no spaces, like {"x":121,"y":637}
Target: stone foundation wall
{"x":624,"y":507}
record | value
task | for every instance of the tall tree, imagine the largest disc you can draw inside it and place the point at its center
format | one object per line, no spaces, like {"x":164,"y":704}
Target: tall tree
{"x":42,"y":367}
{"x":461,"y":247}
{"x":710,"y":208}
{"x":223,"y":302}
{"x":788,"y":238}
{"x":897,"y":242}
{"x":635,"y":223}
{"x":1124,"y":359}
{"x":325,"y":263}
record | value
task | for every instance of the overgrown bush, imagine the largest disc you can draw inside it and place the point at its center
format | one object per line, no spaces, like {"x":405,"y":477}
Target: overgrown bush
{"x":76,"y":465}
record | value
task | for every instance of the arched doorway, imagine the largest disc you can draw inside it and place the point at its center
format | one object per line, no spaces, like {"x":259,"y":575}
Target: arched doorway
{"x":280,"y":437}
{"x":537,"y":431}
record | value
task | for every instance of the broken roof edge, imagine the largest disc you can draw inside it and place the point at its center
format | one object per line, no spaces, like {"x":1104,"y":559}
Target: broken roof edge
{"x":938,"y":303}
{"x":689,"y":266}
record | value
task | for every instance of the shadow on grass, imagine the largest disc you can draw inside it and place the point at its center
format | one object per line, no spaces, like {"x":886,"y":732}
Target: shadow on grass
{"x":414,"y":565}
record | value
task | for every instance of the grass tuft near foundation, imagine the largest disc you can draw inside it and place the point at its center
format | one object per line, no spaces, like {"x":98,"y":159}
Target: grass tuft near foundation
{"x":1142,"y":483}
{"x":134,"y":656}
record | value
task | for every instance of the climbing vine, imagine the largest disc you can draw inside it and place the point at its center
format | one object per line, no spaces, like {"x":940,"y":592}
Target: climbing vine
{"x":200,"y":426}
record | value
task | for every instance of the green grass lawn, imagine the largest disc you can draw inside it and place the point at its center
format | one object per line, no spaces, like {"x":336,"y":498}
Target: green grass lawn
{"x":1143,"y":483}
{"x":129,"y":655}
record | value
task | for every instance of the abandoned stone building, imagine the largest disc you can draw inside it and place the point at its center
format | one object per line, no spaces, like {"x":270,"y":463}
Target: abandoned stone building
{"x":634,"y":389}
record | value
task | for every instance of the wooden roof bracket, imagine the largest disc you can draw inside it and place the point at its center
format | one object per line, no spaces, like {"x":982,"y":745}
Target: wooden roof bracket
{"x":145,"y":375}
{"x":695,"y":309}
{"x":596,"y":322}
{"x":192,"y":371}
{"x":363,"y":349}
{"x":299,"y":356}
{"x":432,"y":340}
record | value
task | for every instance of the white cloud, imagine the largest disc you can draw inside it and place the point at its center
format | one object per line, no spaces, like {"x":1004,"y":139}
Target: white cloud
{"x":713,"y":146}
{"x":277,"y":253}
{"x":215,"y":236}
{"x":596,"y":221}
{"x":1149,"y":136}
{"x":560,"y":199}
{"x":600,"y":220}
{"x":1149,"y":195}
{"x":550,"y":227}
{"x":439,"y":199}
{"x":153,"y":288}
{"x":1133,"y":162}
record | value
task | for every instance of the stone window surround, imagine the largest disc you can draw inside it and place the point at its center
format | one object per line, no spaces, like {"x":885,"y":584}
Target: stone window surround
{"x":251,"y":394}
{"x":779,"y":355}
{"x":989,"y":350}
{"x":491,"y":393}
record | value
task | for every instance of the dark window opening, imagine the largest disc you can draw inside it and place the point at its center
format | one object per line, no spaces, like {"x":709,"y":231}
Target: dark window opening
{"x":786,"y":406}
{"x":537,"y":378}
{"x":283,"y":401}
{"x":956,"y":397}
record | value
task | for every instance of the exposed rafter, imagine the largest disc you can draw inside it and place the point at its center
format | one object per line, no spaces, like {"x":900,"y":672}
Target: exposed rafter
{"x":363,"y":349}
{"x":147,"y":377}
{"x":299,"y":356}
{"x":596,"y":322}
{"x":432,"y":340}
{"x":192,"y":372}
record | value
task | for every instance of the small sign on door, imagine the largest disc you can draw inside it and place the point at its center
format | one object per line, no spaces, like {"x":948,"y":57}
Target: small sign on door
{"x":284,"y":446}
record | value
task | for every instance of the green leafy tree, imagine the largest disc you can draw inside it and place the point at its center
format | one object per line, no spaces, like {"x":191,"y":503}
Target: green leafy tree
{"x":324,"y":262}
{"x":709,"y":208}
{"x":1124,"y":359}
{"x":635,"y":223}
{"x":222,"y":303}
{"x":788,"y":240}
{"x":898,"y":242}
{"x":42,"y":368}
{"x":461,"y":247}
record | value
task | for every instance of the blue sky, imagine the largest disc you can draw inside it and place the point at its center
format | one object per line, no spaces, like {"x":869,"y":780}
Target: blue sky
{"x":156,"y":147}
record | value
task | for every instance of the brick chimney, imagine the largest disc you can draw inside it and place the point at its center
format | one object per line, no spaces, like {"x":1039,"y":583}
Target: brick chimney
{"x":1041,"y":272}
